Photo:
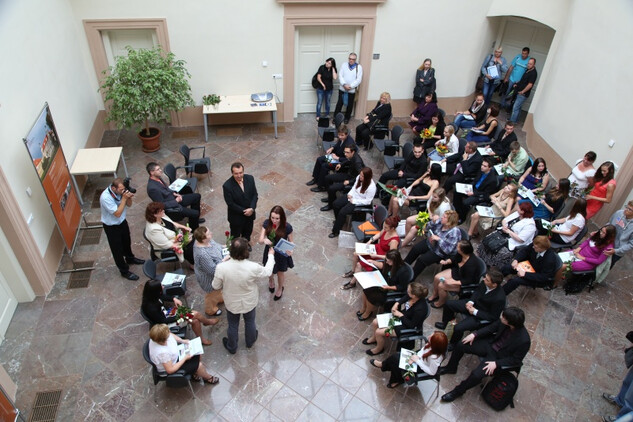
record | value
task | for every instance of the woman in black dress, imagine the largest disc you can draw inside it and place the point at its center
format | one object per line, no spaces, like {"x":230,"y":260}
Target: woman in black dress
{"x":274,"y":229}
{"x":380,"y":114}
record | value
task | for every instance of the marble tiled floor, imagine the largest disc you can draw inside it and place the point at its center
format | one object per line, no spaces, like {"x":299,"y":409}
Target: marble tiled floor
{"x":309,"y":363}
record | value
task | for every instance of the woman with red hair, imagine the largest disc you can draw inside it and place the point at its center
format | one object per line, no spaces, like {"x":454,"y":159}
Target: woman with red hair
{"x":428,"y":359}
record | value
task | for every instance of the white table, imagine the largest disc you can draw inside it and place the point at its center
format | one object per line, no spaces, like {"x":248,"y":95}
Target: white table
{"x":96,"y":161}
{"x":238,"y":104}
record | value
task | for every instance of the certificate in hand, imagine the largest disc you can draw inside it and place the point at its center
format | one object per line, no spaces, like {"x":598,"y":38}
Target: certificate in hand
{"x":405,"y":355}
{"x":193,"y":348}
{"x":283,"y":246}
{"x":493,"y":71}
{"x":463,"y":188}
{"x":486,"y":151}
{"x":365,"y":248}
{"x":172,"y":278}
{"x":178,"y":185}
{"x":383,"y":320}
{"x":567,"y":256}
{"x":369,"y":279}
{"x":485,"y":211}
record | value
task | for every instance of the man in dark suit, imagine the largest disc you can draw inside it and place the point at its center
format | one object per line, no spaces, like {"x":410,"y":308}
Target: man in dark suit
{"x":413,"y":166}
{"x":501,"y":145}
{"x":323,"y":166}
{"x":346,"y":173}
{"x":485,"y":304}
{"x":505,"y":342}
{"x":464,"y":170}
{"x":541,"y":258}
{"x":484,"y":185}
{"x":159,"y":191}
{"x":240,"y":195}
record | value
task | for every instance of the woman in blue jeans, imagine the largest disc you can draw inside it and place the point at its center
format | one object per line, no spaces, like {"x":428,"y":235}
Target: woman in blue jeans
{"x":325,"y":84}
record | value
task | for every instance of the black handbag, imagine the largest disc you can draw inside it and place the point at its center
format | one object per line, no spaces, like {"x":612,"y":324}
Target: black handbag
{"x":479,"y":85}
{"x":495,"y":241}
{"x":315,"y":82}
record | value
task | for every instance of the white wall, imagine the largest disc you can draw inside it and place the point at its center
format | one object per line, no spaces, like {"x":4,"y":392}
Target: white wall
{"x":41,"y":61}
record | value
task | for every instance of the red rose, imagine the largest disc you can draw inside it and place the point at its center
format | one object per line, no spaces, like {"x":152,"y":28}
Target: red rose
{"x":226,"y":233}
{"x":407,"y":379}
{"x":274,"y":226}
{"x":387,"y":334}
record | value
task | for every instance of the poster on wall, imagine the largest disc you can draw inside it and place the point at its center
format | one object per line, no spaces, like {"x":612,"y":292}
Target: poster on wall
{"x":47,"y":156}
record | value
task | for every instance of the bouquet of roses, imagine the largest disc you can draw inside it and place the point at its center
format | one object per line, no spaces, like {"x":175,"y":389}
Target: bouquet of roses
{"x":178,"y":247}
{"x":182,"y":314}
{"x":421,"y":221}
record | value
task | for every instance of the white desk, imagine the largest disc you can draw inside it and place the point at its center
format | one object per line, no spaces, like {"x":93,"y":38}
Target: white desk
{"x":96,"y":161}
{"x":238,"y":104}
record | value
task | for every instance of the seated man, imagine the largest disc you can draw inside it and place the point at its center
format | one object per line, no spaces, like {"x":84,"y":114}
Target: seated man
{"x":516,"y":162}
{"x":159,"y":191}
{"x":323,"y":166}
{"x":541,"y":258}
{"x":501,"y":145}
{"x":505,"y":342}
{"x":484,"y":185}
{"x":485,"y":304}
{"x":463,"y":168}
{"x":345,"y":174}
{"x":413,"y":166}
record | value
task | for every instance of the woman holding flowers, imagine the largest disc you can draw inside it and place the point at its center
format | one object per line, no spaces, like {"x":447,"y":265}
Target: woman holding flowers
{"x":163,"y":233}
{"x":435,"y":209}
{"x":420,"y":118}
{"x":448,"y":145}
{"x":433,"y":133}
{"x":153,"y":306}
{"x":273,"y":229}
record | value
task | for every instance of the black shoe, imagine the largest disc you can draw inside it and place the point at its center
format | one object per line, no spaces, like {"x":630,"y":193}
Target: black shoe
{"x":130,"y":275}
{"x":432,"y":305}
{"x":317,"y":189}
{"x":134,"y":261}
{"x":311,"y":183}
{"x":271,"y":289}
{"x":251,"y":345}
{"x":325,"y":199}
{"x":450,"y":396}
{"x":331,"y":235}
{"x":250,"y":248}
{"x":326,"y":208}
{"x":276,"y":298}
{"x":225,"y":342}
{"x":202,"y":220}
{"x":446,"y":370}
{"x":440,"y":325}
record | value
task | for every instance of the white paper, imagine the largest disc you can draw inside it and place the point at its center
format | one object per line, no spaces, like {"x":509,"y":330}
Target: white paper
{"x":366,"y":262}
{"x":485,"y":211}
{"x":405,"y":355}
{"x":369,"y":279}
{"x":225,"y":252}
{"x":193,"y":348}
{"x":463,"y":188}
{"x":383,"y":320}
{"x":486,"y":151}
{"x":477,"y":130}
{"x":526,"y":193}
{"x":567,"y":256}
{"x":178,"y":185}
{"x":172,"y":278}
{"x":499,"y":169}
{"x":365,"y":248}
{"x":331,"y":159}
{"x":468,"y":117}
{"x":546,"y":224}
{"x":493,"y":71}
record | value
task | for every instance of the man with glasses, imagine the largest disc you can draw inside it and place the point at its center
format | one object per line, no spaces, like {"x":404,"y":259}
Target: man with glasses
{"x":350,"y":76}
{"x":623,"y":222}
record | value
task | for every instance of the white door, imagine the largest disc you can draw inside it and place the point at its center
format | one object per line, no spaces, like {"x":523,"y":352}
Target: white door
{"x":518,"y":33}
{"x":116,"y":40}
{"x":314,"y":45}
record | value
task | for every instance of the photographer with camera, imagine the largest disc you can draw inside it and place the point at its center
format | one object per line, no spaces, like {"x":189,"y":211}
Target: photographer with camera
{"x":114,"y":202}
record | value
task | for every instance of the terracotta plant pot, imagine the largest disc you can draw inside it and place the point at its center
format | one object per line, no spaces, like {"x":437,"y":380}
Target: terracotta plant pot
{"x":150,"y":143}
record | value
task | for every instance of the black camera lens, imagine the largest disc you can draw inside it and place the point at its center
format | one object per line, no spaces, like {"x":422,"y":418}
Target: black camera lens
{"x":126,"y":183}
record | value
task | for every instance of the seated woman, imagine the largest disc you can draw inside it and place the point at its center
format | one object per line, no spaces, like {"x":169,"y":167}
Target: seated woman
{"x":163,"y":352}
{"x":380,"y":114}
{"x":428,"y":359}
{"x":436,"y":208}
{"x":520,"y":232}
{"x":207,"y":254}
{"x":154,"y":308}
{"x":396,"y":274}
{"x":387,"y":239}
{"x":464,"y":270}
{"x":566,"y":230}
{"x":553,"y":202}
{"x":472,"y":117}
{"x":441,"y":242}
{"x":362,"y":193}
{"x":590,"y":253}
{"x":485,"y":132}
{"x":411,"y":309}
{"x":536,"y":177}
{"x":160,"y":230}
{"x":451,"y":143}
{"x":420,"y":118}
{"x":603,"y":188}
{"x":434,"y":132}
{"x":503,"y":203}
{"x":420,"y":190}
{"x":581,"y":175}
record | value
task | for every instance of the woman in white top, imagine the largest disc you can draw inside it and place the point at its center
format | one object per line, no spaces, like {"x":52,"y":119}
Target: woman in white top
{"x":436,"y":208}
{"x":451,"y":142}
{"x":428,"y":360}
{"x":160,"y":230}
{"x":362,"y":193}
{"x":582,"y":173}
{"x":163,"y":352}
{"x":566,"y":229}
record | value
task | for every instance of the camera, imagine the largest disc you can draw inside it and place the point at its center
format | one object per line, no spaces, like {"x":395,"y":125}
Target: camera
{"x":126,"y":183}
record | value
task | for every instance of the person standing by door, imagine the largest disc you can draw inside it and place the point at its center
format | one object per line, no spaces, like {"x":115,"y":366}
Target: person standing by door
{"x":350,"y":76}
{"x":325,"y":77}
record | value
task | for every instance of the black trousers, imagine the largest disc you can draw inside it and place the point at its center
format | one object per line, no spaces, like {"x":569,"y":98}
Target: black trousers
{"x":393,"y":175}
{"x":363,"y":135}
{"x":120,"y":244}
{"x":350,"y":104}
{"x":190,"y":208}
{"x":342,"y":208}
{"x":469,"y":323}
{"x":334,"y":183}
{"x":512,"y":284}
{"x":321,"y":170}
{"x":463,"y":203}
{"x":241,"y":226}
{"x":481,"y":348}
{"x":455,"y":178}
{"x":423,"y":256}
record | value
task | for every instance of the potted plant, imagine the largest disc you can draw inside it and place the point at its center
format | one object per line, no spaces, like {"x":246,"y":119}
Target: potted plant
{"x":146,"y":85}
{"x":211,"y":99}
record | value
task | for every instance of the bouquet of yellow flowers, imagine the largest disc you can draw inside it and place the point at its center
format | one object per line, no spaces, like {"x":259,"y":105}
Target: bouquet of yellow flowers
{"x":426,"y":134}
{"x":442,"y":149}
{"x":421,"y":221}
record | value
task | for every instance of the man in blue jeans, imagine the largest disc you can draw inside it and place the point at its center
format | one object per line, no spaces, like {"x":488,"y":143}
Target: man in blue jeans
{"x":515,"y":72}
{"x":523,"y":89}
{"x":237,"y":278}
{"x":624,"y":399}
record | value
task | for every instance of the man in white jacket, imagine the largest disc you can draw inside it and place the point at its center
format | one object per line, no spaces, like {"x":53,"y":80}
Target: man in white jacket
{"x":237,"y":278}
{"x":350,"y":76}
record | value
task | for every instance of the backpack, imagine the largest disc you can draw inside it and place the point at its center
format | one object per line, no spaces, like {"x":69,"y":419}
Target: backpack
{"x":499,"y":392}
{"x":577,"y":283}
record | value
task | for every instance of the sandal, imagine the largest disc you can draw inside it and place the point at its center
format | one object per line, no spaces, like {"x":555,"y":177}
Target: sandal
{"x":349,"y":274}
{"x":206,"y":342}
{"x":348,"y":286}
{"x":212,"y":380}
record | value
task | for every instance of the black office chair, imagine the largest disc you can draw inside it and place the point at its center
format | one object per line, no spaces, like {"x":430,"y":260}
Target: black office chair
{"x":200,"y":165}
{"x":178,"y":379}
{"x":162,"y":255}
{"x":171,"y":172}
{"x":149,"y":269}
{"x":423,"y":376}
{"x":393,"y":161}
{"x":330,"y":131}
{"x":382,"y":144}
{"x":379,"y":216}
{"x":381,"y":129}
{"x":550,"y":281}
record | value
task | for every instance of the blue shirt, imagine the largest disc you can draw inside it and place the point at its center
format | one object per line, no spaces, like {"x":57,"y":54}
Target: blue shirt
{"x":519,"y":66}
{"x":109,"y":202}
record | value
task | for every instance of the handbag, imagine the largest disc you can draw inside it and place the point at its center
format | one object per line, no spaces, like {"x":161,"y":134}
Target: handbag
{"x":479,"y":85}
{"x":495,"y":241}
{"x":315,"y":82}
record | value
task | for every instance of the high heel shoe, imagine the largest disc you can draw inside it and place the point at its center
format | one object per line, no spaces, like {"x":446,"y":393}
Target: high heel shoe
{"x":271,"y":289}
{"x":275,"y":298}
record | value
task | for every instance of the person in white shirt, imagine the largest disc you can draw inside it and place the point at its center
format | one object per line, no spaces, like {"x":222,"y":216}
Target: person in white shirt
{"x":362,"y":193}
{"x":567,"y":229}
{"x":350,"y":76}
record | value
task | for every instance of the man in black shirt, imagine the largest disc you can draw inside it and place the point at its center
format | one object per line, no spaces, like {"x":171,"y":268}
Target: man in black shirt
{"x":523,"y":88}
{"x":413,"y":166}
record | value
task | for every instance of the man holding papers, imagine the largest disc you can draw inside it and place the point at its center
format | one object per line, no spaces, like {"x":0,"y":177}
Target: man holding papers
{"x":464,"y":167}
{"x":485,"y":184}
{"x":328,"y":162}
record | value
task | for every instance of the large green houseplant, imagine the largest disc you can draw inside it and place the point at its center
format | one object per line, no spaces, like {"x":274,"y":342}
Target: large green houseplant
{"x":145,"y":86}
